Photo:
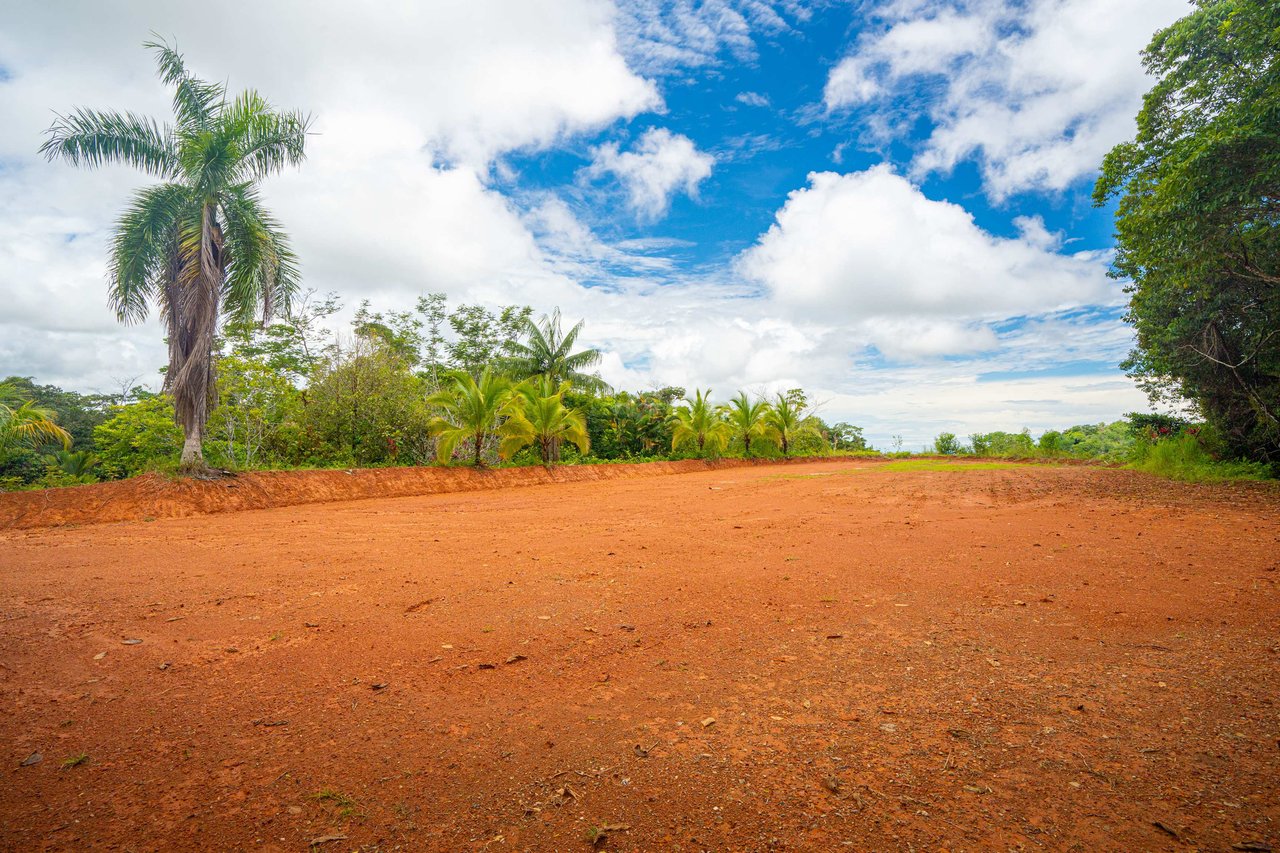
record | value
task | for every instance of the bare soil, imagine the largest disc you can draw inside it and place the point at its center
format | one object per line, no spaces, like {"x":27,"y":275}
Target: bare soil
{"x":823,"y":656}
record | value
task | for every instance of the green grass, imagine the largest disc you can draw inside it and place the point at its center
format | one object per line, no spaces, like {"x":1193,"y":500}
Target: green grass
{"x":75,"y":761}
{"x":1185,"y":458}
{"x":942,"y":465}
{"x":345,"y":806}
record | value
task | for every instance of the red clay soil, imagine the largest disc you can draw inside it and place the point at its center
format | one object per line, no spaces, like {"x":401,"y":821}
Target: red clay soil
{"x":153,"y":496}
{"x":820,"y":657}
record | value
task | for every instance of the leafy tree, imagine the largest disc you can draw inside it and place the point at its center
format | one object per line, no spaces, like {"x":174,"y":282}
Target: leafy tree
{"x":293,"y":347}
{"x":699,"y":423}
{"x":787,"y":420}
{"x":536,"y":414}
{"x":481,"y":337}
{"x":139,"y":437}
{"x":398,"y":331}
{"x":746,"y":418}
{"x":1198,"y":220}
{"x":432,"y":308}
{"x":25,"y":425}
{"x":472,"y":409}
{"x":364,"y":406}
{"x":946,"y":444}
{"x":549,"y":354}
{"x":845,"y":436}
{"x":1002,"y":443}
{"x":256,"y":404}
{"x":200,"y":243}
{"x":78,"y":414}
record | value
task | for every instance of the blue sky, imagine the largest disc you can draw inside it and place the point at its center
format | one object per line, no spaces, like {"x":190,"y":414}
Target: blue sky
{"x":886,"y":203}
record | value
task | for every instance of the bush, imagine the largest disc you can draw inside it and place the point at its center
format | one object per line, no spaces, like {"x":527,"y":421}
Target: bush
{"x":1186,"y":457}
{"x":139,"y":437}
{"x":946,"y":444}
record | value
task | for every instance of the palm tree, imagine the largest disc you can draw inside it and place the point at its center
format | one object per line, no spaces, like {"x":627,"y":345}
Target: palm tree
{"x":746,"y":419}
{"x":537,"y":415}
{"x":700,"y":423}
{"x":786,"y":421}
{"x":200,"y":244}
{"x":472,"y":409}
{"x":23,"y":424}
{"x":549,"y":354}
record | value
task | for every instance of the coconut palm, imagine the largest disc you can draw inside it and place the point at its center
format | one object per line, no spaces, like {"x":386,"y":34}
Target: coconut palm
{"x":537,"y":415}
{"x":700,"y":423}
{"x":23,"y":424}
{"x":549,"y":354}
{"x":746,"y":418}
{"x":472,"y":410}
{"x":785,"y":421}
{"x":201,"y":243}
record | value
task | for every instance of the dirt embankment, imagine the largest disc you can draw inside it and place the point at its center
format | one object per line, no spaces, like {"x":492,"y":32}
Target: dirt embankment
{"x":153,"y":496}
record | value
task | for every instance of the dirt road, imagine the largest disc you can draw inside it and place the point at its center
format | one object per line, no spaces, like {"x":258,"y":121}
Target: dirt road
{"x":821,"y":657}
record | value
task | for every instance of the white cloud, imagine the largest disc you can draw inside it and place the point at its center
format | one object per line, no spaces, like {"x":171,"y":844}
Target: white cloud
{"x":919,"y":275}
{"x":1037,"y":93}
{"x":752,"y":99}
{"x":660,"y":164}
{"x":663,"y":37}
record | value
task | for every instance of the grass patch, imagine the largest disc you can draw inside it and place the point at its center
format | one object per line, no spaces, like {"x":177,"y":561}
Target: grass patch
{"x":75,"y":761}
{"x":344,"y":806}
{"x":1185,"y":458}
{"x":941,"y":465}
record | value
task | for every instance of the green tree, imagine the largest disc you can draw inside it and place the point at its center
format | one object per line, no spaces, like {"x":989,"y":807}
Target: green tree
{"x":481,"y":337}
{"x":787,"y":420}
{"x":536,"y":415}
{"x":699,"y":423}
{"x":25,"y":425}
{"x":472,"y":410}
{"x":946,"y":444}
{"x":201,"y":243}
{"x":746,"y":417}
{"x":1198,"y":221}
{"x":549,"y":354}
{"x":139,"y":437}
{"x":846,"y":436}
{"x":364,"y":406}
{"x":256,"y":403}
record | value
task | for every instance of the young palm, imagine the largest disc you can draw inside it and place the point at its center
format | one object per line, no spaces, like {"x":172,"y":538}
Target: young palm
{"x":472,"y":409}
{"x":200,"y":244}
{"x":23,"y":424}
{"x":549,"y":354}
{"x":746,"y":418}
{"x":786,"y":421}
{"x":700,"y":423}
{"x":537,"y":415}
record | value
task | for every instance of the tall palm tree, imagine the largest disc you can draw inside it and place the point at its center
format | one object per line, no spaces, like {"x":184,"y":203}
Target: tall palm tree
{"x":537,"y":415}
{"x":472,"y":409}
{"x":199,"y":244}
{"x":549,"y":354}
{"x":746,"y":418}
{"x":23,"y":424}
{"x":699,"y":422}
{"x":786,"y":421}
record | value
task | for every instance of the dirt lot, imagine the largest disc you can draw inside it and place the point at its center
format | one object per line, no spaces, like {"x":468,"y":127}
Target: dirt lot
{"x":819,"y":657}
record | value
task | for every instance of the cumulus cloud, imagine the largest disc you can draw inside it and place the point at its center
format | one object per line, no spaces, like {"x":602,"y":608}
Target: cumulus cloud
{"x":869,"y":247}
{"x":752,"y":99}
{"x":1036,"y":92}
{"x":660,"y":164}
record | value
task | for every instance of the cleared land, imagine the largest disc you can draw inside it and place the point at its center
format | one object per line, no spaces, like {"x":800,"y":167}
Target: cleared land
{"x":796,"y":658}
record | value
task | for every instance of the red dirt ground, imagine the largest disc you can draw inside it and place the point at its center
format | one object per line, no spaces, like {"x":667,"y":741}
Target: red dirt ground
{"x":824,"y":656}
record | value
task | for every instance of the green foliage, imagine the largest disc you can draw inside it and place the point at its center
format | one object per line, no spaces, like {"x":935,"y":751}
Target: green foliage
{"x":845,"y":436}
{"x":1001,"y":444}
{"x":1186,"y":457}
{"x":946,"y":444}
{"x":536,"y":415}
{"x":481,"y":337}
{"x":363,"y":407}
{"x":699,"y":424}
{"x":746,"y":419}
{"x":24,"y":425}
{"x":139,"y":437}
{"x":787,"y":421}
{"x":471,"y":411}
{"x":257,"y":419}
{"x":1198,"y":221}
{"x":549,"y":355}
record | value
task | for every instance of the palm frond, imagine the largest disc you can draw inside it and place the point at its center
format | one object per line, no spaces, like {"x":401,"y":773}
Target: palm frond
{"x":143,"y":248}
{"x":196,"y":103}
{"x":262,"y":270}
{"x":266,"y":141}
{"x":94,"y":138}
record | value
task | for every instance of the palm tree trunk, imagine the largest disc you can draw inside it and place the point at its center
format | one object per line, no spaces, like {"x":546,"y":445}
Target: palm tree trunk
{"x":746,"y":445}
{"x":479,"y":440}
{"x":192,"y":448}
